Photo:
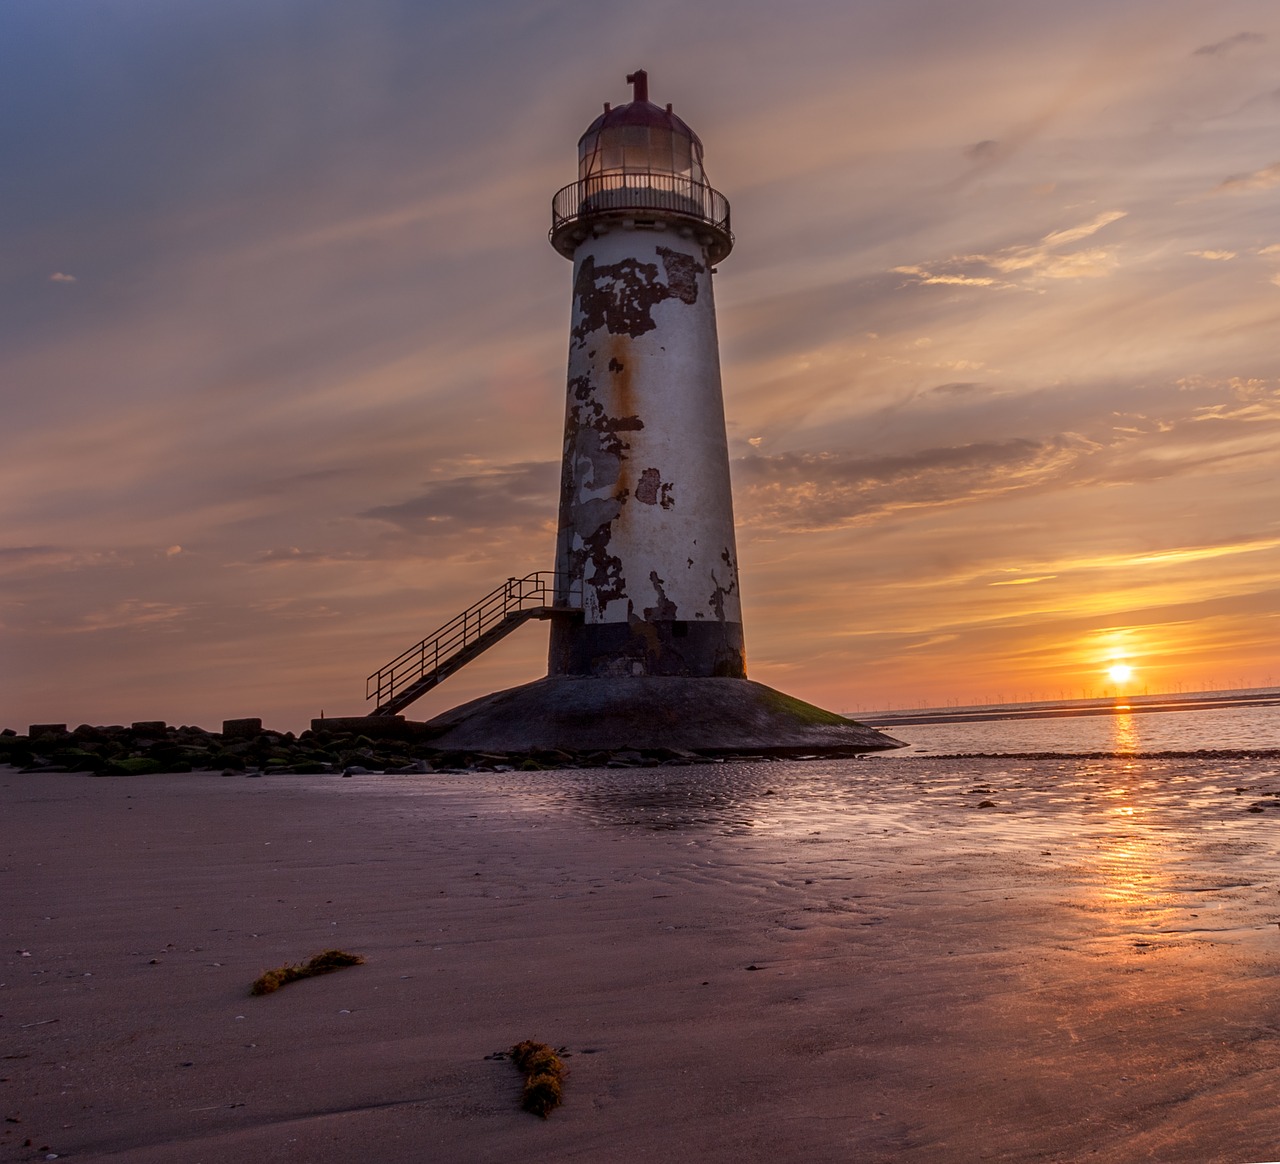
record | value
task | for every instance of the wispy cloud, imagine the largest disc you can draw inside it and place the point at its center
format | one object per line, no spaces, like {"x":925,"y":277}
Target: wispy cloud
{"x":1221,"y":46}
{"x":62,"y":277}
{"x":132,"y":614}
{"x":1045,"y":259}
{"x":1263,"y":179}
{"x":800,"y":491}
{"x":502,"y":498}
{"x":944,"y":280}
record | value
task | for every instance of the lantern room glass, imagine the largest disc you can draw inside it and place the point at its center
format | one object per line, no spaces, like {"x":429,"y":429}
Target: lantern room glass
{"x":642,"y":149}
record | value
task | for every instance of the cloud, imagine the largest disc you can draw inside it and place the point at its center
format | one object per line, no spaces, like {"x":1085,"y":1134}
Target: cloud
{"x":1213,"y":256}
{"x":293,"y":554}
{"x":1084,"y":230}
{"x":950,"y":280}
{"x":1044,"y":259}
{"x":500,"y":499}
{"x":800,"y":491}
{"x":1252,"y":400}
{"x":1263,"y":179}
{"x":55,"y":559}
{"x":62,"y":277}
{"x":1222,"y":46}
{"x":1219,"y":426}
{"x":132,"y":614}
{"x":983,"y":151}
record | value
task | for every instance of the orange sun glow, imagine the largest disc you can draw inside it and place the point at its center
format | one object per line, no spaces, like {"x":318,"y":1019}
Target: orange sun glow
{"x":1120,"y":673}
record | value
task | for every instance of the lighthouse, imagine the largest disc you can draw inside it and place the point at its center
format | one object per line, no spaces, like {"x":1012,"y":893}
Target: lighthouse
{"x":646,"y":645}
{"x":645,"y":551}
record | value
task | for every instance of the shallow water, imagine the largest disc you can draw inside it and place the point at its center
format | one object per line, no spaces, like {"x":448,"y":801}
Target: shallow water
{"x":1152,"y":849}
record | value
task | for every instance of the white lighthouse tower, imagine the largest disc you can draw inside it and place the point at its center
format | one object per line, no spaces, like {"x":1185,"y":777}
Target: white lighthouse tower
{"x":646,"y":623}
{"x":646,"y":544}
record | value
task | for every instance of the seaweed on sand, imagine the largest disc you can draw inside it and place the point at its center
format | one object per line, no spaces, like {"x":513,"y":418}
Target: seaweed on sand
{"x":324,"y":963}
{"x":543,"y":1071}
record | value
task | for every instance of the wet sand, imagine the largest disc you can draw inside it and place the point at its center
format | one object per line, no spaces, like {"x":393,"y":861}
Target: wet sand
{"x":824,"y":961}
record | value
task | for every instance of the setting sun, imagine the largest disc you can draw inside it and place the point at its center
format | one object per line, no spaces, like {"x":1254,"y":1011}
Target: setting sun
{"x":1120,"y":673}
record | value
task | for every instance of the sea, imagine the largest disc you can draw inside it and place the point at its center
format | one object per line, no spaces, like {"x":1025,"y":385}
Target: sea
{"x":1202,"y":721}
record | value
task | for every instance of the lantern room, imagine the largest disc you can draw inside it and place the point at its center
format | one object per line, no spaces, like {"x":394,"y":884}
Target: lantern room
{"x":640,"y":137}
{"x":640,"y":166}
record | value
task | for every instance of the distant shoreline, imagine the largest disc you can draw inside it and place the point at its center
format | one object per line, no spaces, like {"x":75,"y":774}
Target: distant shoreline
{"x":1134,"y":705}
{"x":1200,"y":754}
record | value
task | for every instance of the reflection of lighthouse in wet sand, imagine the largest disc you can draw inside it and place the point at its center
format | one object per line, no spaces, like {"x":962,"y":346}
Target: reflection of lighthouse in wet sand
{"x":646,"y":625}
{"x":646,"y":543}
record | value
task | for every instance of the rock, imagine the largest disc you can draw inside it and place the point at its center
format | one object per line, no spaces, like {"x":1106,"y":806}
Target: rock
{"x":46,"y":729}
{"x":241,"y":729}
{"x":90,"y":735}
{"x":148,"y":727}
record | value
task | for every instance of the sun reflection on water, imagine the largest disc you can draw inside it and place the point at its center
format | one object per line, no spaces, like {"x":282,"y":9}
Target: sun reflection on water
{"x":1130,"y":871}
{"x":1124,"y":731}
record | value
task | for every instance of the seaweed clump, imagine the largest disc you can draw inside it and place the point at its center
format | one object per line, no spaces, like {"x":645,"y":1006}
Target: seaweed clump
{"x":324,"y":963}
{"x":543,"y":1071}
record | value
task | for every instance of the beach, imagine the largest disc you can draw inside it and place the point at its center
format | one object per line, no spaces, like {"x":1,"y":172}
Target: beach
{"x":917,"y":959}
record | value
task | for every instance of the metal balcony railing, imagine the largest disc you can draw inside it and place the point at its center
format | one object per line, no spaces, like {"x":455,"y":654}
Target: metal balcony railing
{"x":640,"y":192}
{"x":414,"y":672}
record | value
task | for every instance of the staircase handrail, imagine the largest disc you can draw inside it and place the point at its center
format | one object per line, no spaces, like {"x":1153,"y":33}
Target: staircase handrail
{"x":532,"y":592}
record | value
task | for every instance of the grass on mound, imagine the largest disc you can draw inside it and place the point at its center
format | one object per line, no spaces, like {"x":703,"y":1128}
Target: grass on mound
{"x":804,"y":712}
{"x":324,"y":963}
{"x":543,"y":1071}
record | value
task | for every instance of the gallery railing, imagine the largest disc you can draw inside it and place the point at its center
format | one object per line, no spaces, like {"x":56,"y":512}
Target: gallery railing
{"x":641,"y":192}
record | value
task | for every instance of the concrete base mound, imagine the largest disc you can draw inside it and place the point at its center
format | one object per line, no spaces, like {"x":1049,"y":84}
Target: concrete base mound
{"x":712,"y":717}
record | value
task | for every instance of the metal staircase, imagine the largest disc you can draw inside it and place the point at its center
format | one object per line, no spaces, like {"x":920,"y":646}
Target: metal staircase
{"x":411,"y":674}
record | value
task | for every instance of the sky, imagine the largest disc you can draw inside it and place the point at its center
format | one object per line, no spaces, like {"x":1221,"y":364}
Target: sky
{"x":282,"y":340}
